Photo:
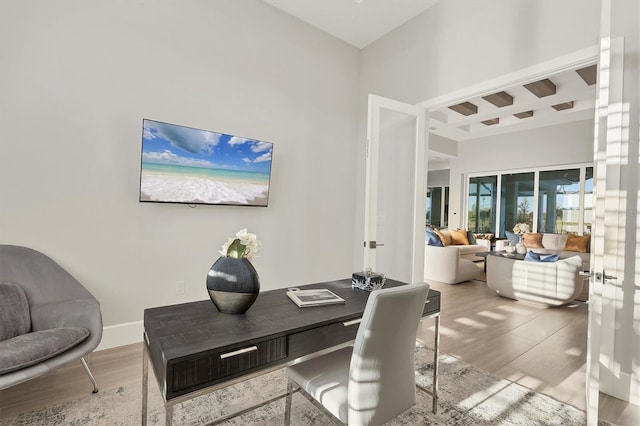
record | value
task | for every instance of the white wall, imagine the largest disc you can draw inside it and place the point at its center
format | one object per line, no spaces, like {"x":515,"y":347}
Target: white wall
{"x":458,"y":43}
{"x":77,"y":77}
{"x":561,"y":145}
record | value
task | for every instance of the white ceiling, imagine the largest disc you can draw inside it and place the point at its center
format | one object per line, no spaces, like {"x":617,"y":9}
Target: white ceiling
{"x":357,"y":22}
{"x":361,"y":22}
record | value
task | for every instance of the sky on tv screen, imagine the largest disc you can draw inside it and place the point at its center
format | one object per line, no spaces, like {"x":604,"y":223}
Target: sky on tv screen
{"x":186,"y":165}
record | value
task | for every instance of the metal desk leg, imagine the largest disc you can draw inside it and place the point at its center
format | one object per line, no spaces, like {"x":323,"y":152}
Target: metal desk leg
{"x":145,"y":380}
{"x":436,"y":352}
{"x":436,"y":359}
{"x":168,"y":414}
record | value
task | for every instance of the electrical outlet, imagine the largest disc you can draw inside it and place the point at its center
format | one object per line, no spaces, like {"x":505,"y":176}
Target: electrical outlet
{"x":179,"y":287}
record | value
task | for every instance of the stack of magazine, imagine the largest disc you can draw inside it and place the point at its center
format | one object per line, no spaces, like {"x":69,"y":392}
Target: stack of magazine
{"x":315,"y":297}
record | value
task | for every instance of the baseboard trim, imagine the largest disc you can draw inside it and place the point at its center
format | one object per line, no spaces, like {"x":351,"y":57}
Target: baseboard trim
{"x":120,"y":335}
{"x":623,"y":386}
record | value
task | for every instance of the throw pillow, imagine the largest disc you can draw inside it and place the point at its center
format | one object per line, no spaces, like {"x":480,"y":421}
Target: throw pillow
{"x":471,"y":238}
{"x":532,"y":240}
{"x":578,"y":243}
{"x":432,"y":239}
{"x":445,"y":236}
{"x":459,"y":237}
{"x":15,"y":318}
{"x":535,"y":257}
{"x":483,"y":236}
{"x":512,"y":237}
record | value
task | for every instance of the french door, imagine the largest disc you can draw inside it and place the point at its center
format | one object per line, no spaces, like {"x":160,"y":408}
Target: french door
{"x":613,"y":347}
{"x":395,"y":190}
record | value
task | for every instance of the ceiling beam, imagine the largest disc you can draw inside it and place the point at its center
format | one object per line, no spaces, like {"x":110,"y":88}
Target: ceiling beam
{"x":563,"y":106}
{"x":491,"y":122}
{"x":541,"y":88}
{"x":524,"y":114}
{"x":500,"y":99}
{"x":465,"y":108}
{"x":589,"y":74}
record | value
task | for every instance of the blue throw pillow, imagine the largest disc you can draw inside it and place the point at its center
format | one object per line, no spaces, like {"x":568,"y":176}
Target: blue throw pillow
{"x":535,"y":257}
{"x":432,"y":239}
{"x":512,"y":237}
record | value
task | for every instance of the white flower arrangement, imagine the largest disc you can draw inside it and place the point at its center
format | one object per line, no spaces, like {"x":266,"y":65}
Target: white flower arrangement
{"x":243,"y":245}
{"x":521,"y":228}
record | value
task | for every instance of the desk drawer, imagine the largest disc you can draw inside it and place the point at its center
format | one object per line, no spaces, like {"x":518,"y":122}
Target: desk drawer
{"x":324,"y":337}
{"x":213,"y":367}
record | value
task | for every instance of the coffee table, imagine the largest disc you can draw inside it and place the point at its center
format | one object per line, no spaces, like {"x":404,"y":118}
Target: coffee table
{"x":501,"y":253}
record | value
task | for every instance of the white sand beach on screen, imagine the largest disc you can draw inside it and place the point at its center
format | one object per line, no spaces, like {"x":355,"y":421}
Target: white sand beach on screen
{"x":198,"y":189}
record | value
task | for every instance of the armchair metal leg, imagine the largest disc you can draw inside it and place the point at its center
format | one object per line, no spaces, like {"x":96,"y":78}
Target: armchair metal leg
{"x":93,"y":381}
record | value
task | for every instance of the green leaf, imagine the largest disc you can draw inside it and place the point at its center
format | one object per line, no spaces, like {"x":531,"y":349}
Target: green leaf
{"x":236,"y":249}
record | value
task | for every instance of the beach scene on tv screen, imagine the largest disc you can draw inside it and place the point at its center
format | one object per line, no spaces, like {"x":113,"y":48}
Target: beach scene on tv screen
{"x":186,"y":165}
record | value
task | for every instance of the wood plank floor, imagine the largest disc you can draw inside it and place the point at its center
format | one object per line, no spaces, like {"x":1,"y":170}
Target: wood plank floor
{"x":541,"y":348}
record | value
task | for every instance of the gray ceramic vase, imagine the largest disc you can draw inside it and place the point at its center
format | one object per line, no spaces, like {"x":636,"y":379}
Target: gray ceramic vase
{"x":233,"y":285}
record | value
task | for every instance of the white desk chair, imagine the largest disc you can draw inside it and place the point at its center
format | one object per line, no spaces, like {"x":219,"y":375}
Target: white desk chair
{"x":374,"y":381}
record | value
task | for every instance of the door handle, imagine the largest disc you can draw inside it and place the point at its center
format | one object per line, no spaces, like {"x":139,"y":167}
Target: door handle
{"x":598,"y":277}
{"x":374,"y":244}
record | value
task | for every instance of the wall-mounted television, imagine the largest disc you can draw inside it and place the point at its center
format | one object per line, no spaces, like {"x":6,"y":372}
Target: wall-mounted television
{"x":185,"y":165}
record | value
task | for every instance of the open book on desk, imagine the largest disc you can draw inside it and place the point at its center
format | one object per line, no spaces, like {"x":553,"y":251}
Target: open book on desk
{"x":315,"y":297}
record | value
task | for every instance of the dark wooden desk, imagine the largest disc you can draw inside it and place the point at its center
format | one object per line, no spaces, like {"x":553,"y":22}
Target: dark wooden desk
{"x":195,"y":350}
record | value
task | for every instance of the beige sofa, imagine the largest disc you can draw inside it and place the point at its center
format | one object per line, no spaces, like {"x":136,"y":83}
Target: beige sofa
{"x":551,"y":283}
{"x":453,"y":263}
{"x":557,"y":243}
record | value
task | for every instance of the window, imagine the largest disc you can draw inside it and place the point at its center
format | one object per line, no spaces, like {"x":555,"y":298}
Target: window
{"x":438,"y":206}
{"x":482,"y":204}
{"x":554,"y":201}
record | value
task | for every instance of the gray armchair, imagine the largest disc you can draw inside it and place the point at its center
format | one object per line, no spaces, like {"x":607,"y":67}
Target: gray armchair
{"x":47,"y":318}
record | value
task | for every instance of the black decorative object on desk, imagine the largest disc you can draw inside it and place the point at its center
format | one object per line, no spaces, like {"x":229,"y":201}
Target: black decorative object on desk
{"x":233,"y":285}
{"x":232,"y":282}
{"x":367,"y":280}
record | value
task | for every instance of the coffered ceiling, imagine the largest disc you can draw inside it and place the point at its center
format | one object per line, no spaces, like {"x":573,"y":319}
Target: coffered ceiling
{"x":560,"y":98}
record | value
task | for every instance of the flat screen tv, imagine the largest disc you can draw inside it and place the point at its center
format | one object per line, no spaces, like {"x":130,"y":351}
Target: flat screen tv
{"x":192,"y":166}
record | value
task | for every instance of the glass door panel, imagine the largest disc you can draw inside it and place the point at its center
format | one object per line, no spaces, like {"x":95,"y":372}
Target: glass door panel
{"x":434,"y":206}
{"x":559,"y":201}
{"x":588,"y":201}
{"x":516,"y":200}
{"x":482,"y":204}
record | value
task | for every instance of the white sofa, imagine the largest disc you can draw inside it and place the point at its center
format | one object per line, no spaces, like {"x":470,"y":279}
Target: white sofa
{"x":551,"y":244}
{"x":451,"y":264}
{"x":552,"y":283}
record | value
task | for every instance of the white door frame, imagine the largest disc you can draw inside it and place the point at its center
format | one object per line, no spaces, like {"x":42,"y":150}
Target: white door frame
{"x":376,"y":105}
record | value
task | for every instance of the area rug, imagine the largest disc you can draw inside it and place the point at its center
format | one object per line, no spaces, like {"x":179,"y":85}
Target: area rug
{"x":468,"y":396}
